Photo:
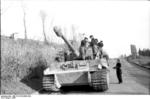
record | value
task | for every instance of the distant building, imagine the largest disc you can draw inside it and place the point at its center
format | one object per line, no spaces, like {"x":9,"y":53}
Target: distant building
{"x":133,"y":51}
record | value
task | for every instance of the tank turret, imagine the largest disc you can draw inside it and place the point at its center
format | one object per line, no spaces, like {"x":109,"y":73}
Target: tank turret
{"x":58,"y":32}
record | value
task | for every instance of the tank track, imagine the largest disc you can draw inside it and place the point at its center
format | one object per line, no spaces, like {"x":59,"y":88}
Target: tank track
{"x":48,"y":83}
{"x":100,"y":80}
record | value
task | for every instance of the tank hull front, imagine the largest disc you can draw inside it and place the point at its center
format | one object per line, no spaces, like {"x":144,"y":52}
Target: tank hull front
{"x":74,"y":78}
{"x":97,"y":80}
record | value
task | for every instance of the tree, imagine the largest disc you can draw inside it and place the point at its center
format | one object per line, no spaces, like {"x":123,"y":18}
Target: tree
{"x":144,"y":52}
{"x":51,"y":30}
{"x":5,"y":6}
{"x":75,"y":40}
{"x":43,"y":17}
{"x":140,"y":52}
{"x":74,"y":33}
{"x":24,"y":20}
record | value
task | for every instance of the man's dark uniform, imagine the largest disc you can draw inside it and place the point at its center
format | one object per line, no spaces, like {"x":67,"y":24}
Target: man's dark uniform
{"x":100,"y":44}
{"x":119,"y":72}
{"x":82,"y":50}
{"x":93,"y":44}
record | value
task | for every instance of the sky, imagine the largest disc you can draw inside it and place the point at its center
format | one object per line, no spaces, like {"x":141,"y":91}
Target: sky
{"x":118,"y":23}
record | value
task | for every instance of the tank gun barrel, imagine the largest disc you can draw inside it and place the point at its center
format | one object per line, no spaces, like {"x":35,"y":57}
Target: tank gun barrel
{"x":59,"y":34}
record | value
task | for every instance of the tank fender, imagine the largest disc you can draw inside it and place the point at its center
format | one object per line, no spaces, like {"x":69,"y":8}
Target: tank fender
{"x":104,"y":63}
{"x":47,"y":71}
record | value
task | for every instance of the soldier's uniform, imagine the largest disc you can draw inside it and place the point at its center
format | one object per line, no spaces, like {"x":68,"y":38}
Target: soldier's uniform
{"x":100,"y":44}
{"x":82,"y":52}
{"x":99,"y":53}
{"x":84,"y":48}
{"x":119,"y":72}
{"x":94,"y":46}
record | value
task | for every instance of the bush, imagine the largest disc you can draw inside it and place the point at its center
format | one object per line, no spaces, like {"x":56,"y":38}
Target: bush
{"x":22,"y":60}
{"x":144,"y":52}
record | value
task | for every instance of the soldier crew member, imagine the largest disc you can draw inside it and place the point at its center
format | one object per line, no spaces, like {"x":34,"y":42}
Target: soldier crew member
{"x":83,"y":48}
{"x":93,"y":44}
{"x":100,"y":46}
{"x":118,"y":71}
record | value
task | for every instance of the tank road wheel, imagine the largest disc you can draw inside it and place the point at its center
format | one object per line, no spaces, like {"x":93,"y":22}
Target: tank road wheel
{"x":49,"y":83}
{"x":100,"y":80}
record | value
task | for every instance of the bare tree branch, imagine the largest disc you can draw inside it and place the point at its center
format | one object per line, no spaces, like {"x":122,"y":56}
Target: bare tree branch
{"x":2,"y":8}
{"x":43,"y":17}
{"x":24,"y":19}
{"x":51,"y":30}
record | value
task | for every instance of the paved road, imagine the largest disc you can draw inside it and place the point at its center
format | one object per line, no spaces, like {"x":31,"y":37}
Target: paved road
{"x":136,"y":80}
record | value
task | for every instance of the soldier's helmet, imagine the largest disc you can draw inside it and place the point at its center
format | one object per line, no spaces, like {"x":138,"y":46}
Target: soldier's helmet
{"x":100,"y":44}
{"x":91,"y":36}
{"x":86,"y":39}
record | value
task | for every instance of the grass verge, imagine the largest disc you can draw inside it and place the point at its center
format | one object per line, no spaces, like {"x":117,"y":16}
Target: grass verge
{"x":22,"y":64}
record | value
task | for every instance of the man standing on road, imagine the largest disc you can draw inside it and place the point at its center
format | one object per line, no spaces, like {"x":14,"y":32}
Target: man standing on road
{"x":118,"y":71}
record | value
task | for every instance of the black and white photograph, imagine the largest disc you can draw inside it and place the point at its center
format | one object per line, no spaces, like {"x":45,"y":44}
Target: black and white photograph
{"x":74,"y":47}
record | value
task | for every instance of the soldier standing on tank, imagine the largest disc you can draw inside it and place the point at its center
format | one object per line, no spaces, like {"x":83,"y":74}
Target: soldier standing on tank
{"x":92,"y":40}
{"x":93,"y":44}
{"x":96,"y":41}
{"x":100,"y":46}
{"x":83,"y":48}
{"x":118,"y":71}
{"x":84,"y":40}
